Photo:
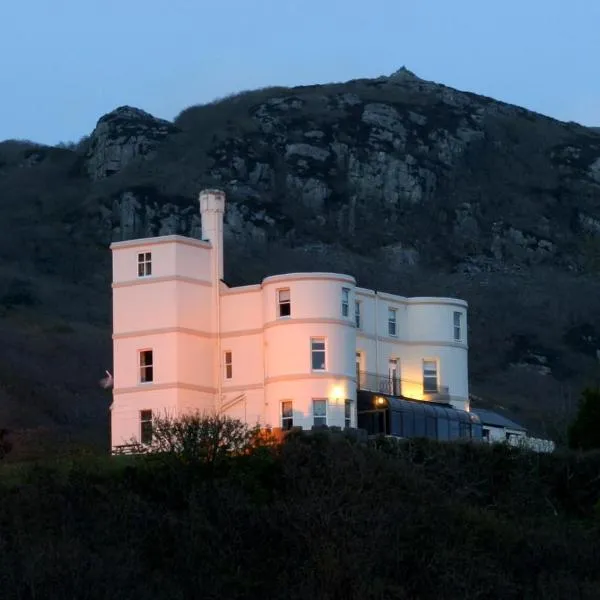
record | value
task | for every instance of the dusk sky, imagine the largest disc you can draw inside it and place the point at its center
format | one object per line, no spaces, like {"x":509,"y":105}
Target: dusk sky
{"x":67,"y":62}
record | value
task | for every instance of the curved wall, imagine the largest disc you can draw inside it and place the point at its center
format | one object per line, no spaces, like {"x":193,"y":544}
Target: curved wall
{"x":315,"y":313}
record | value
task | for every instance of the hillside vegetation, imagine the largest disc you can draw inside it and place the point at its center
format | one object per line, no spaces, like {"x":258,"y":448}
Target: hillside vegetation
{"x":321,"y":516}
{"x":413,"y":187}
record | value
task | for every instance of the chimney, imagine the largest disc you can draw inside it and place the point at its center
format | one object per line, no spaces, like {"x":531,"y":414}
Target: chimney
{"x":212,"y":207}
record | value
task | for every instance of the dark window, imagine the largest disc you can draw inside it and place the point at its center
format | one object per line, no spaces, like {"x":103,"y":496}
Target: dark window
{"x":345,"y":302}
{"x":392,"y":322}
{"x":287,"y":415}
{"x":146,"y":366}
{"x":144,"y":264}
{"x":457,"y":326}
{"x":320,"y":412}
{"x":228,"y":365}
{"x":348,"y":413}
{"x":357,"y":314}
{"x":285,"y":305}
{"x":430,"y":428}
{"x":146,"y":426}
{"x":430,"y":377}
{"x":317,"y":350}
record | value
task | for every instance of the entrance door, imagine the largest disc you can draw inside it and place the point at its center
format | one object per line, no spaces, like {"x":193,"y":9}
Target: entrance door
{"x":394,"y":376}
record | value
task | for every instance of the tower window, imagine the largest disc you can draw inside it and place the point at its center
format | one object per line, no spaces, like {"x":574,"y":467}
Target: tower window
{"x":144,"y":264}
{"x":317,"y":351}
{"x":146,"y":366}
{"x":284,"y":303}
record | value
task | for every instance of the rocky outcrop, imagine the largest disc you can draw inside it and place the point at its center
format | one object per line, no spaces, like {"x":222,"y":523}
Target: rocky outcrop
{"x":120,"y":137}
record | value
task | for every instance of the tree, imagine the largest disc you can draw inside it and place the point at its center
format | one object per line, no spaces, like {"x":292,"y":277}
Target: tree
{"x":5,"y":445}
{"x":200,"y":438}
{"x":584,"y":432}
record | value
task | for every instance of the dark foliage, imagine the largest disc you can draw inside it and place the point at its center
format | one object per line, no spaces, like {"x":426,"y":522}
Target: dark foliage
{"x":319,"y":517}
{"x":584,"y":433}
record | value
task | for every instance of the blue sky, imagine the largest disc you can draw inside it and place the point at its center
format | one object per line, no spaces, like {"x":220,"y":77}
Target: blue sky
{"x":67,"y":62}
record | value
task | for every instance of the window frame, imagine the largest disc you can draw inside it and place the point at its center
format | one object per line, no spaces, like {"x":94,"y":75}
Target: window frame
{"x":144,"y":264}
{"x":426,"y":389}
{"x":284,"y":418}
{"x":348,"y":413}
{"x":357,"y":314}
{"x":322,"y":402}
{"x":143,"y":368}
{"x":457,"y":320}
{"x":227,"y":365}
{"x":314,"y":350}
{"x":144,"y":421}
{"x":281,"y":303}
{"x":392,"y":319}
{"x":345,"y":302}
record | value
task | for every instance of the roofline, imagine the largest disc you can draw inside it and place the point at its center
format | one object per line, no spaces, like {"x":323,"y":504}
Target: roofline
{"x":162,"y":239}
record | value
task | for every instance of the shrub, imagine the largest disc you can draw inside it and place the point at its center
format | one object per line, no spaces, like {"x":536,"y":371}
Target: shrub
{"x":202,"y":438}
{"x":584,"y":432}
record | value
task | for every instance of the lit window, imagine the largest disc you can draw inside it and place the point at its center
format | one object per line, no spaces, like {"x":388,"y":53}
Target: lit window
{"x":317,"y":349}
{"x":348,"y":414}
{"x":457,"y":326}
{"x":228,"y":365}
{"x":285,"y":306}
{"x":392,"y":327}
{"x":320,"y":412}
{"x":287,"y":415}
{"x":430,"y":377}
{"x":144,"y":264}
{"x":146,"y":366}
{"x":345,"y":302}
{"x":146,"y":426}
{"x":357,"y":313}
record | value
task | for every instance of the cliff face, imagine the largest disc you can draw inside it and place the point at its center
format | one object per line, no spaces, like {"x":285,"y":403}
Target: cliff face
{"x":412,"y":186}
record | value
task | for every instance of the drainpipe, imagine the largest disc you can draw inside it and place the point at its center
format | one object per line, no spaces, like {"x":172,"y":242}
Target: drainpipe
{"x":376,"y":340}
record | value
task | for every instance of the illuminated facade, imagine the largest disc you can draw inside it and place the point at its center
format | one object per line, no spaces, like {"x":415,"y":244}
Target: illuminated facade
{"x":290,"y":351}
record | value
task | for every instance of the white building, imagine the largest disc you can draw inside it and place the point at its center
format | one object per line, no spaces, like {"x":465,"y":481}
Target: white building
{"x":289,"y":351}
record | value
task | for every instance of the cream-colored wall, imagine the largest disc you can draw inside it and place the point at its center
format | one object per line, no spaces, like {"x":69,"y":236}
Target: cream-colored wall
{"x":125,"y":413}
{"x":194,"y":361}
{"x":145,"y":306}
{"x":313,"y":295}
{"x":194,"y":306}
{"x":164,"y":347}
{"x":242,"y":310}
{"x":302,"y":391}
{"x":247,"y":360}
{"x":171,"y":255}
{"x":432,"y":320}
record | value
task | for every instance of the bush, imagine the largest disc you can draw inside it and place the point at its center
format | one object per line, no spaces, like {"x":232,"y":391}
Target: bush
{"x":584,"y":432}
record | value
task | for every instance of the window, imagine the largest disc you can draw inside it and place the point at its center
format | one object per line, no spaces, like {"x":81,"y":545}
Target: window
{"x":348,"y":413}
{"x":285,"y":306}
{"x":345,"y":302}
{"x":357,"y":314}
{"x":430,"y":376}
{"x":287,"y":415}
{"x":457,"y":326}
{"x":146,"y":426}
{"x":317,"y":351}
{"x":146,"y":366}
{"x":144,"y":264}
{"x":358,"y":370}
{"x":320,"y":412}
{"x":228,"y":365}
{"x":392,"y":321}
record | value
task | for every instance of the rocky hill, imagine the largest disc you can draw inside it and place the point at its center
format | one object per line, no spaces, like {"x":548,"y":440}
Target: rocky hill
{"x":412,"y":186}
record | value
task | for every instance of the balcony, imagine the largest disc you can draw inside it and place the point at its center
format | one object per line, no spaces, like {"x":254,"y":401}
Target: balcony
{"x":393,"y":386}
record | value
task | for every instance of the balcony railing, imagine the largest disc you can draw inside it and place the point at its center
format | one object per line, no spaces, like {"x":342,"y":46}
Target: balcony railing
{"x":393,"y":386}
